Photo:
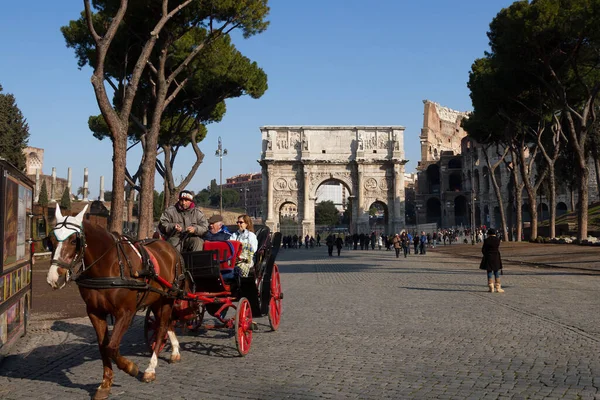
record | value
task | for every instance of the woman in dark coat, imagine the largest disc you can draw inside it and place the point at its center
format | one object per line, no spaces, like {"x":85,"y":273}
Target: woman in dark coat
{"x":491,"y":261}
{"x":339,"y":243}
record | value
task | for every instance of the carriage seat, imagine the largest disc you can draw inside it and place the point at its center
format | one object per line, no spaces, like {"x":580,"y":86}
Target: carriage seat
{"x":212,"y":267}
{"x":228,"y":253}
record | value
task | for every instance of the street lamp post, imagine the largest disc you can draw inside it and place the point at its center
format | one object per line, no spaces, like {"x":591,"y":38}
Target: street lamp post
{"x":220,"y":153}
{"x":472,"y":195}
{"x":245,"y":190}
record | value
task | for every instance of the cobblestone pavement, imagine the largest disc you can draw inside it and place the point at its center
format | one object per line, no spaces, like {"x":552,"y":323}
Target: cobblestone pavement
{"x":361,"y":326}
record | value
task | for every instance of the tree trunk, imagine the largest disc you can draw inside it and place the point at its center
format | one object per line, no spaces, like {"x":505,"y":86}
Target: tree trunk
{"x":519,"y":210}
{"x":150,"y":146}
{"x":552,"y":201}
{"x":582,"y":202}
{"x":597,"y":167}
{"x":497,"y":189}
{"x":117,"y":201}
{"x":531,"y":192}
{"x":130,"y":196}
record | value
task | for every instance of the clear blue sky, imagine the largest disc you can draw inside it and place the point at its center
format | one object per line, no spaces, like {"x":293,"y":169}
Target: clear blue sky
{"x":329,"y":62}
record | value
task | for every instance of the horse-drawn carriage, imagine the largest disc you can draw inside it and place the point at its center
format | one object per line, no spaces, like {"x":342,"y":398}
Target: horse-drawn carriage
{"x":215,"y":287}
{"x":118,"y":276}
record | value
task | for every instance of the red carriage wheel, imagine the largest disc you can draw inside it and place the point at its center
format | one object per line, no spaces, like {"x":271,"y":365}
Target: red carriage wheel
{"x":151,"y":325}
{"x":275,"y":301}
{"x":243,"y":326}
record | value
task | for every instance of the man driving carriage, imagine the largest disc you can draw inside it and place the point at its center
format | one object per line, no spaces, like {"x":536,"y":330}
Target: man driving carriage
{"x":184,"y":221}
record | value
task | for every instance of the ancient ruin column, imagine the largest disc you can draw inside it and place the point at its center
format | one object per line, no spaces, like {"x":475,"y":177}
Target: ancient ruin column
{"x":69,"y":180}
{"x":101,"y":197}
{"x":37,"y":185}
{"x":85,"y":185}
{"x":53,"y":185}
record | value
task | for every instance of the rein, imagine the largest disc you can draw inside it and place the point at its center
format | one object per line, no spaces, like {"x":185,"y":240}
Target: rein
{"x":147,"y":272}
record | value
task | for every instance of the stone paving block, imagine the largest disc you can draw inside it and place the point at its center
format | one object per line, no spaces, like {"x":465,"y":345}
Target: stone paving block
{"x":361,"y":326}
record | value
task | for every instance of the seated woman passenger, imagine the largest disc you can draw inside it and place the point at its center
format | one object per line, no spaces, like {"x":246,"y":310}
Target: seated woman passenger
{"x":245,"y":235}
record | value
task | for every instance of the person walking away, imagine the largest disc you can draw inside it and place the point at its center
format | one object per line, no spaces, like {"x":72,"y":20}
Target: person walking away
{"x":339,"y":243}
{"x":396,"y":242}
{"x":416,"y":242}
{"x":491,"y":261}
{"x":183,"y":221}
{"x":318,"y":240}
{"x":329,"y":241}
{"x":423,"y":244}
{"x":379,"y":242}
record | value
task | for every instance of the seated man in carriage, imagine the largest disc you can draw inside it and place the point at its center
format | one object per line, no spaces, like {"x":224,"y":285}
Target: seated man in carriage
{"x":184,"y":221}
{"x":217,"y":231}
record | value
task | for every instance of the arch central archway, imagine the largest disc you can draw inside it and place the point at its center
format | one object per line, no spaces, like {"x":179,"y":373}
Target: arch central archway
{"x":368,"y":161}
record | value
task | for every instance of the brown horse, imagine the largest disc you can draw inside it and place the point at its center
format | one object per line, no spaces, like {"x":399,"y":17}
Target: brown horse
{"x":107,"y":268}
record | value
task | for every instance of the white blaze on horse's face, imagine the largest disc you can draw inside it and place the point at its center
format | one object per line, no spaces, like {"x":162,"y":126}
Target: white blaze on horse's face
{"x":64,"y":252}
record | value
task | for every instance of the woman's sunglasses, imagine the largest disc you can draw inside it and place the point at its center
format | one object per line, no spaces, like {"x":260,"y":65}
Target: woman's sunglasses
{"x":240,"y":222}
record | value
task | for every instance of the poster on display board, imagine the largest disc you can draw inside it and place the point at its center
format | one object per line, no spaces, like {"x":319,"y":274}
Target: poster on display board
{"x":13,"y":283}
{"x":17,"y":277}
{"x":2,"y":297}
{"x":7,"y":292}
{"x":3,"y":329}
{"x":13,"y":318}
{"x":25,"y":275}
{"x":16,"y":224}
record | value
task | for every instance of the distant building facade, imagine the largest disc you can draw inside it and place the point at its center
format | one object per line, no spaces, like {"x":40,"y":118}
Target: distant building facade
{"x":453,"y":176}
{"x":249,"y":186}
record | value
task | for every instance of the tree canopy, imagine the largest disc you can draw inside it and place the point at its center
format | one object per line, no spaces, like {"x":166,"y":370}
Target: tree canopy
{"x":158,"y":59}
{"x":326,"y":213}
{"x":65,"y":200}
{"x":538,"y":85}
{"x":14,"y":131}
{"x":43,"y":197}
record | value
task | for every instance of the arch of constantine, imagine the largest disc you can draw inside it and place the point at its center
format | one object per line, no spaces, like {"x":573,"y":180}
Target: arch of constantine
{"x":367,"y":160}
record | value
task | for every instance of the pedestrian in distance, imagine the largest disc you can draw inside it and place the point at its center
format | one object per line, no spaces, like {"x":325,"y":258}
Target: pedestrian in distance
{"x":492,"y":261}
{"x":405,"y":243}
{"x":423,"y":244}
{"x":330,"y":241}
{"x":397,"y":245}
{"x":339,"y":243}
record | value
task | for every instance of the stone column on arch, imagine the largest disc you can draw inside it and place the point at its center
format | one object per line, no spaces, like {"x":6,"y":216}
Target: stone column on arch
{"x":362,"y":219}
{"x":268,"y":187}
{"x":308,"y":220}
{"x":399,"y":197}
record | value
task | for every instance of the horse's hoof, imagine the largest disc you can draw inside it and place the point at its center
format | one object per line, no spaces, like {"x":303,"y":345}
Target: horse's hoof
{"x":149,"y":376}
{"x":102,"y":393}
{"x":175,"y":358}
{"x":133,"y":370}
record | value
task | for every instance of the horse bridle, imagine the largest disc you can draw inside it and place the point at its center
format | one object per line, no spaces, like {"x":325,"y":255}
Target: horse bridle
{"x":79,"y":246}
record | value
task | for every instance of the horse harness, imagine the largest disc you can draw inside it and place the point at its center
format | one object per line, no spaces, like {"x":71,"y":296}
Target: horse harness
{"x":149,"y":271}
